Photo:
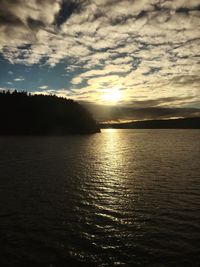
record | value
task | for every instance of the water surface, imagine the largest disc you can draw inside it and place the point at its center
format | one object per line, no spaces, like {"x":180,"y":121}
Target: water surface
{"x":119,"y":198}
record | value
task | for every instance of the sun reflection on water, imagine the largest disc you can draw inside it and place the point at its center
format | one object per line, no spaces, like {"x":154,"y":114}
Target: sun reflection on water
{"x":109,"y":183}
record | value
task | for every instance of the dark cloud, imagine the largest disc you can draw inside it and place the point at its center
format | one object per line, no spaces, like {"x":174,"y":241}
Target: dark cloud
{"x":115,"y":113}
{"x":21,"y":18}
{"x":34,"y":24}
{"x":7,"y":19}
{"x":152,"y":103}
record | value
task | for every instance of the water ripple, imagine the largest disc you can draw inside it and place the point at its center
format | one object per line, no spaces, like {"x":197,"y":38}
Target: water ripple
{"x":121,"y":198}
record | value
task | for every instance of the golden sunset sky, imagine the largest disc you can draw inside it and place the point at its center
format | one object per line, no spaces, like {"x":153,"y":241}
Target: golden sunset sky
{"x":132,"y":54}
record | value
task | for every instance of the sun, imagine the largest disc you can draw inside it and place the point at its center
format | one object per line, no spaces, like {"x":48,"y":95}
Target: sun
{"x":112,"y":95}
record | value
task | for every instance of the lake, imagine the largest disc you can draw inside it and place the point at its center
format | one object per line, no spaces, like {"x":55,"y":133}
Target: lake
{"x":119,"y":198}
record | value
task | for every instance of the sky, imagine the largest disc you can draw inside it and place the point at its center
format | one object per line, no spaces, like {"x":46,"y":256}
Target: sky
{"x":123,"y":59}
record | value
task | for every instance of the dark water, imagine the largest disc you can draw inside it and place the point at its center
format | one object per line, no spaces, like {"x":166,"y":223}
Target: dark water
{"x":119,"y":198}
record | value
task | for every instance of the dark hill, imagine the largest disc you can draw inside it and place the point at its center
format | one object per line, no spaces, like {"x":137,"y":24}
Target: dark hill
{"x":187,"y":123}
{"x":38,"y":114}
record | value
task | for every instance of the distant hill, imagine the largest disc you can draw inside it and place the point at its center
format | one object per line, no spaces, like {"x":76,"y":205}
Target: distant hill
{"x":27,"y":114}
{"x":188,"y":123}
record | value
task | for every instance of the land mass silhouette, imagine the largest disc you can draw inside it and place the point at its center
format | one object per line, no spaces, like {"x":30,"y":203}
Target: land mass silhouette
{"x":26,"y":114}
{"x":185,"y":123}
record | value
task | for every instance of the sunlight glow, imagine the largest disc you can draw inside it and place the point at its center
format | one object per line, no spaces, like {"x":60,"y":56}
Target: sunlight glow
{"x":112,"y":95}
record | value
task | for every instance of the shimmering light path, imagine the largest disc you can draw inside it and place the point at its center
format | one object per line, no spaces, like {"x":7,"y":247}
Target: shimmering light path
{"x":119,"y":198}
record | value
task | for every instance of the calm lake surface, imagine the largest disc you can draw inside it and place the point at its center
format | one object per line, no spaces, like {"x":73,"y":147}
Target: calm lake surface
{"x":119,"y":198}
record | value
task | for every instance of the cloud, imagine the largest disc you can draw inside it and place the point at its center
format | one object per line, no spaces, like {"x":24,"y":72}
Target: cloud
{"x":147,"y":48}
{"x":119,"y":114}
{"x":19,"y":79}
{"x":107,"y":70}
{"x":43,"y":87}
{"x":20,"y":20}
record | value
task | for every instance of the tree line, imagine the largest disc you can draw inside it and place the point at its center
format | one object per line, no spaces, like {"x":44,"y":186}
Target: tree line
{"x":23,"y":113}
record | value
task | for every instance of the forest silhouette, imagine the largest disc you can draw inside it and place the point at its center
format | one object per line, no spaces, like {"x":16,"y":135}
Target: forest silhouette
{"x":23,"y":113}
